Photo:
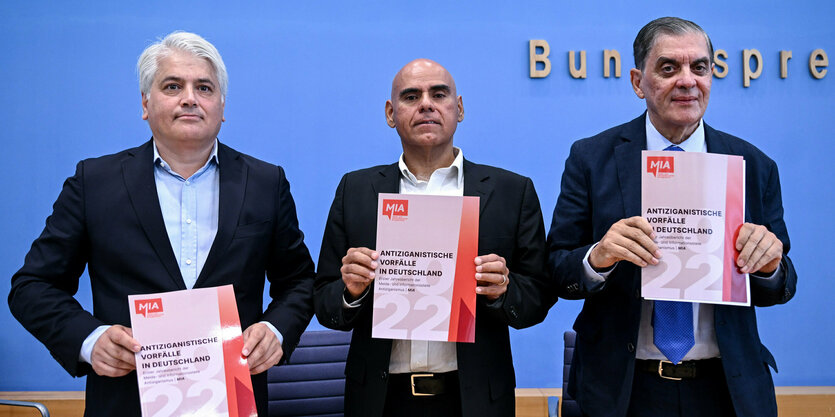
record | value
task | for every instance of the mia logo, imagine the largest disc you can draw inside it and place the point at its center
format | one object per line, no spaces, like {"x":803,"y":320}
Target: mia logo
{"x":151,"y":307}
{"x":396,"y":209}
{"x":661,"y":166}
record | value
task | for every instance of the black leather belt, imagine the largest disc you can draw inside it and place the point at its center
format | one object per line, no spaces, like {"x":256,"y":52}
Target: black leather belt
{"x":424,"y":384}
{"x":683,"y":370}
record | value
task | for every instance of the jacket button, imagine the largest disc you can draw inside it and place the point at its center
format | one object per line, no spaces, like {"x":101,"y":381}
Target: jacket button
{"x":384,"y":375}
{"x":513,"y":312}
{"x":630,"y":347}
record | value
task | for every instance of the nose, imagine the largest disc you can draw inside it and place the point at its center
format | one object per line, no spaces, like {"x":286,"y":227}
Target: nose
{"x":426,"y":104}
{"x":686,"y":79}
{"x":188,"y":97}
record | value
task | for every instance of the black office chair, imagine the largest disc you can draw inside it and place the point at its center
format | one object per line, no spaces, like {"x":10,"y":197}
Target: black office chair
{"x":40,"y":407}
{"x":570,"y":408}
{"x":312,"y":383}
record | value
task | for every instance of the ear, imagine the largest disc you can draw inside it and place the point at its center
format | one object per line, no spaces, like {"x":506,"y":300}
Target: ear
{"x":460,"y":109}
{"x":144,"y":107}
{"x":389,"y":113}
{"x":635,"y":77}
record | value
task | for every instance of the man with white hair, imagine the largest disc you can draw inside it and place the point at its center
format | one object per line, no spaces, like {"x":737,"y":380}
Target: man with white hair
{"x":181,"y":211}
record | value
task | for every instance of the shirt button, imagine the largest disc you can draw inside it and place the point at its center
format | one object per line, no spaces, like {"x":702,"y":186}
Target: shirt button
{"x":188,"y":261}
{"x":188,"y":221}
{"x":188,"y":183}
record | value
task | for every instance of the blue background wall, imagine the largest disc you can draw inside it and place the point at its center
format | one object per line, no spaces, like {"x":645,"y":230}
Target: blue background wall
{"x":307,"y":86}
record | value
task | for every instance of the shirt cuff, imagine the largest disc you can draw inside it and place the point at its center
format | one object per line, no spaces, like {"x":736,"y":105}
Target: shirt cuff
{"x":592,"y":279}
{"x":86,"y":353}
{"x":354,"y":304}
{"x":772,"y":281}
{"x":274,"y":330}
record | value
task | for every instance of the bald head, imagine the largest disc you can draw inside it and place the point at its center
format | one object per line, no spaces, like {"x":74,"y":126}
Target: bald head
{"x":421,"y":68}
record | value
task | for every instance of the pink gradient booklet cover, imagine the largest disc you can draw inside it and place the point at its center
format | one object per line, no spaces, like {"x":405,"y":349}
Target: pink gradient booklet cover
{"x":190,"y":363}
{"x":425,"y":280}
{"x":695,"y":203}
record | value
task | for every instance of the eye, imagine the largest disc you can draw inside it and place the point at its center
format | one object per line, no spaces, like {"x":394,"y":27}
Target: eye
{"x":439,"y":95}
{"x":204,"y":88}
{"x":668,"y":68}
{"x":700,"y":68}
{"x":410,"y":97}
{"x":172,"y":87}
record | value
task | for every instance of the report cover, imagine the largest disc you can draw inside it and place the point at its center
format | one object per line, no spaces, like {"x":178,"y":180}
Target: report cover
{"x":425,"y":281}
{"x":191,"y":363}
{"x":695,"y":203}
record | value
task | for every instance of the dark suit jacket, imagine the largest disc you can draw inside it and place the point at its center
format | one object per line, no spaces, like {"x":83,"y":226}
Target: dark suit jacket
{"x":108,"y":218}
{"x":510,"y":225}
{"x":600,"y":185}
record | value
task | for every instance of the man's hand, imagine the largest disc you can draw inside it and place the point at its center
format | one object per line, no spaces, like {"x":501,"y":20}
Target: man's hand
{"x":759,"y":249}
{"x":358,"y":270}
{"x":492,"y":276}
{"x":627,"y":240}
{"x":113,"y":353}
{"x":262,"y":349}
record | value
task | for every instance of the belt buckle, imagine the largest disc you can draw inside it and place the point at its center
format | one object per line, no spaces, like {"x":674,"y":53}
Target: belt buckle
{"x":420,"y":394}
{"x":660,"y":371}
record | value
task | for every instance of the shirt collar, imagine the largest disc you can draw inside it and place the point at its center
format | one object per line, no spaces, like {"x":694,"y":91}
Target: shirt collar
{"x":455,"y":169}
{"x":158,"y":159}
{"x":657,"y":142}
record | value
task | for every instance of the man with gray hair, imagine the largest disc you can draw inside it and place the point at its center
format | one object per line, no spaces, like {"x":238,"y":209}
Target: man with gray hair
{"x":636,"y":357}
{"x":181,"y":211}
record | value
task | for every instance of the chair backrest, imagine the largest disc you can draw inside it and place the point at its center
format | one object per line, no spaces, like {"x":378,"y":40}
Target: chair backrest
{"x":312,"y":383}
{"x":570,"y":408}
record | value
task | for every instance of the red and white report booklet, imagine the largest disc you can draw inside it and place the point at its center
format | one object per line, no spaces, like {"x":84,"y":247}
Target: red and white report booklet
{"x":190,"y":363}
{"x":695,"y":203}
{"x":425,"y":280}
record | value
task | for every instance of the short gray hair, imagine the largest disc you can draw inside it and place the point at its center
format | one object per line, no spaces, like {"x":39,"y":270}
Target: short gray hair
{"x":664,"y":26}
{"x":191,"y":43}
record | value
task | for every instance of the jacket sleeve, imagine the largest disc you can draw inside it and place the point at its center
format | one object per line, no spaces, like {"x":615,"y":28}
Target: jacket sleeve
{"x":570,"y":236}
{"x":529,"y":293}
{"x":290,"y":271}
{"x":329,"y":288}
{"x":42,"y":291}
{"x":765,"y":294}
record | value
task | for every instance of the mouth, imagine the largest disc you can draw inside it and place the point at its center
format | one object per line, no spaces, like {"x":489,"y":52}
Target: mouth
{"x":685,"y":100}
{"x":189,"y":116}
{"x":426,"y":122}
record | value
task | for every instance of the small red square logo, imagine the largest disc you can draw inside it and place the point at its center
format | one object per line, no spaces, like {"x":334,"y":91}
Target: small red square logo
{"x":151,"y":307}
{"x":661,"y":166}
{"x":396,"y":208}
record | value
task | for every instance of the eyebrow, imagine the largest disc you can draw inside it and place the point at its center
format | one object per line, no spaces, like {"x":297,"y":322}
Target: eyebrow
{"x":664,"y":60}
{"x":441,"y":87}
{"x":180,"y":79}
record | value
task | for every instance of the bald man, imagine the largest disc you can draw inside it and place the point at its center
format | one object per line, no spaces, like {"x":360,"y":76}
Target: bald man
{"x":416,"y":378}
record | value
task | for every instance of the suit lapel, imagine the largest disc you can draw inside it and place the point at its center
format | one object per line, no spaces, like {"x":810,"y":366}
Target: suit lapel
{"x":477,"y":183}
{"x":628,"y":162}
{"x":387,"y":180}
{"x":138,"y":172}
{"x":715,"y":142}
{"x":233,"y":176}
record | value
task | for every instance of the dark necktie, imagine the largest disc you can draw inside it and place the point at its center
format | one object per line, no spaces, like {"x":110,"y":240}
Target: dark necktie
{"x":672,"y":321}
